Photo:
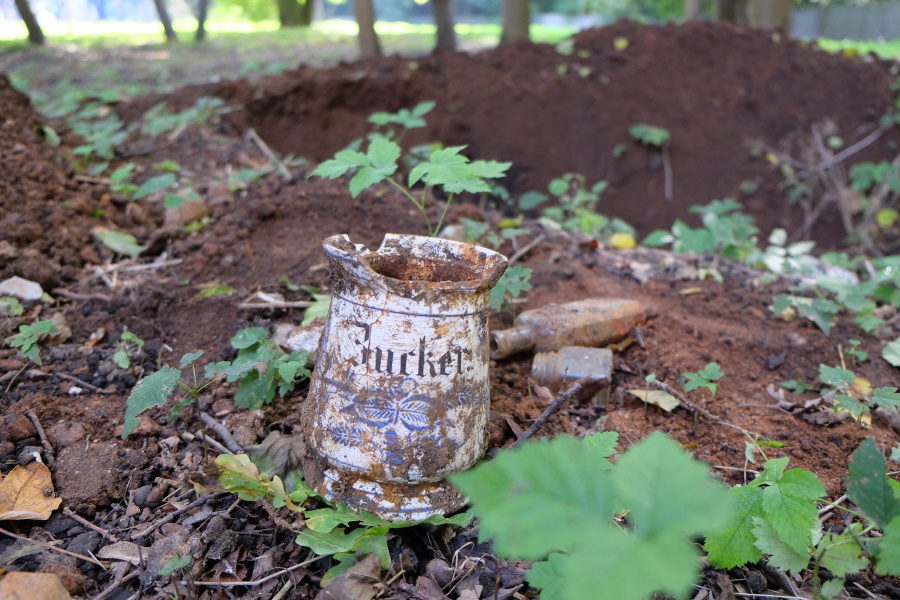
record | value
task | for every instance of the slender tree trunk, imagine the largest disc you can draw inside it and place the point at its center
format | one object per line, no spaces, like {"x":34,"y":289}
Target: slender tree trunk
{"x":516,"y":19}
{"x":295,"y":13}
{"x":691,"y":10}
{"x":166,"y":21}
{"x":35,"y":33}
{"x":369,"y":45}
{"x":202,"y":10}
{"x":770,"y":14}
{"x":443,"y":20}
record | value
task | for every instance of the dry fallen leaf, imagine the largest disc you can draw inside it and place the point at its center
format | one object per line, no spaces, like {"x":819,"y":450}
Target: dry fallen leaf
{"x":659,"y":398}
{"x":27,"y":493}
{"x":28,"y":586}
{"x":359,"y":582}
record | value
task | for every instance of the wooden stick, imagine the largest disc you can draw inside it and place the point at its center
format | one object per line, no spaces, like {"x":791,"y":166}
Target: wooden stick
{"x":690,"y":406}
{"x":79,"y":382}
{"x":263,"y":305}
{"x":51,"y":547}
{"x":258,"y":581}
{"x":224,"y":435}
{"x":76,"y":296}
{"x":48,"y":447}
{"x":582,"y":389}
{"x":116,"y":585}
{"x":73,"y":515}
{"x":282,"y":170}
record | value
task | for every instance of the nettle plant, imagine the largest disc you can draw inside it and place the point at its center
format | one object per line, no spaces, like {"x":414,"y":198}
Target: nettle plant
{"x":855,"y":394}
{"x":446,"y":169}
{"x":778,"y":516}
{"x":261,"y":370}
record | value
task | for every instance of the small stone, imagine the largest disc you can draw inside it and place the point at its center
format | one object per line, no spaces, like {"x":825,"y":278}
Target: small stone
{"x":157,"y":495}
{"x":28,"y":454}
{"x":756,"y":582}
{"x":69,"y":576}
{"x":21,"y":288}
{"x":85,"y":544}
{"x":139,"y":496}
{"x":58,"y":525}
{"x":66,"y":433}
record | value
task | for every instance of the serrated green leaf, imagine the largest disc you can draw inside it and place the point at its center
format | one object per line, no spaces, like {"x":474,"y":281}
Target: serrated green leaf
{"x":842,"y":554}
{"x":772,"y":471}
{"x":364,"y":178}
{"x":850,"y":404}
{"x":790,"y":507}
{"x":248,"y":337}
{"x":515,"y":493}
{"x":254,"y":391}
{"x":150,"y":391}
{"x":669,"y":492}
{"x":189,"y":358}
{"x":695,"y":381}
{"x":712,"y":371}
{"x":891,"y":353}
{"x":121,"y":358}
{"x":836,"y":376}
{"x":531,"y":200}
{"x":342,"y":162}
{"x":232,"y":370}
{"x":10,"y":307}
{"x":888,"y":556}
{"x":154,"y":185}
{"x":867,"y":484}
{"x":781,"y":555}
{"x":339,"y":540}
{"x":734,"y":545}
{"x":217,"y":290}
{"x":601,"y":445}
{"x":383,"y":155}
{"x":548,"y":576}
{"x":658,"y":237}
{"x":173,"y":564}
{"x":886,"y":397}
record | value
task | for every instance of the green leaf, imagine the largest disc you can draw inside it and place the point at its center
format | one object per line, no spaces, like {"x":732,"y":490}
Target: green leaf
{"x":173,"y":564}
{"x":340,"y":540}
{"x":781,"y":555}
{"x":154,"y":185}
{"x":515,"y":493}
{"x":650,"y":134}
{"x":189,"y":358}
{"x":512,"y":283}
{"x":658,"y":237}
{"x":886,"y":397}
{"x":121,"y":358}
{"x":836,"y":376}
{"x":531,"y":200}
{"x":342,"y":162}
{"x":832,"y":588}
{"x":891,"y":353}
{"x":668,"y":491}
{"x":319,"y":308}
{"x":150,"y":391}
{"x":734,"y":545}
{"x":382,"y":158}
{"x":548,"y":576}
{"x":254,"y":391}
{"x":28,"y":337}
{"x":790,"y":507}
{"x":888,"y":556}
{"x":217,"y":290}
{"x":246,"y":338}
{"x":232,"y":370}
{"x":851,"y":405}
{"x":842,"y":554}
{"x":712,"y":372}
{"x":867,"y":484}
{"x":119,"y":242}
{"x":10,"y":307}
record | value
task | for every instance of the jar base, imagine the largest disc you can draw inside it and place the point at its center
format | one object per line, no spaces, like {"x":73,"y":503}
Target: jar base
{"x":391,"y":501}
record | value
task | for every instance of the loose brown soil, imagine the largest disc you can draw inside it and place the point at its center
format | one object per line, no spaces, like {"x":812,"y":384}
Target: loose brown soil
{"x":718,"y":90}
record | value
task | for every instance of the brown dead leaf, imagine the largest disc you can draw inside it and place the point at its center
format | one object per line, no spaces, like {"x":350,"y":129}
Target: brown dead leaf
{"x":27,"y":493}
{"x":28,"y":586}
{"x":359,"y":582}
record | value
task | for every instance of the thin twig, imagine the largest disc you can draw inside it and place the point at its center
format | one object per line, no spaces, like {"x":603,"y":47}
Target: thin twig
{"x":209,"y":440}
{"x":84,"y":297}
{"x":89,"y":386}
{"x":13,"y":380}
{"x":831,"y":505}
{"x":224,"y":435}
{"x":171,"y":516}
{"x":251,"y":133}
{"x":73,"y":515}
{"x":51,"y":547}
{"x":735,"y":469}
{"x":582,"y":389}
{"x":690,"y":406}
{"x":48,"y":447}
{"x":258,"y":581}
{"x":524,"y":250}
{"x":845,"y":153}
{"x":116,"y":585}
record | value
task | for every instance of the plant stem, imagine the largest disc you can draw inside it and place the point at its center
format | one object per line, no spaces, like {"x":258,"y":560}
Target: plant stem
{"x":437,"y":228}
{"x":420,"y":206}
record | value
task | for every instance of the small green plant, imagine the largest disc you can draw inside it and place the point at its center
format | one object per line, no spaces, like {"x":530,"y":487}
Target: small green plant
{"x":395,"y":125}
{"x":777,"y":515}
{"x":446,"y":169}
{"x":854,"y":394}
{"x":726,"y":231}
{"x":704,"y":378}
{"x":562,"y":504}
{"x":319,"y":307}
{"x":158,"y":120}
{"x":261,"y":369}
{"x":120,"y":180}
{"x":328,"y":529}
{"x":511,"y":284}
{"x":659,"y":138}
{"x":10,"y":307}
{"x":127,"y":348}
{"x":854,"y":353}
{"x":28,"y":339}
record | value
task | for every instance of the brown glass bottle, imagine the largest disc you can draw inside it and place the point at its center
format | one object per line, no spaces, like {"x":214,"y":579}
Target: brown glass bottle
{"x":559,"y":369}
{"x":593,"y":322}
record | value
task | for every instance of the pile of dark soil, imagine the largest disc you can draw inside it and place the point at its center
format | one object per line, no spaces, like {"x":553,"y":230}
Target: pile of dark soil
{"x":713,"y":87}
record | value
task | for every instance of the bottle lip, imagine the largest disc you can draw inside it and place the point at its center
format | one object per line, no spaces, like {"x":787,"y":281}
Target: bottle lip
{"x":507,"y":342}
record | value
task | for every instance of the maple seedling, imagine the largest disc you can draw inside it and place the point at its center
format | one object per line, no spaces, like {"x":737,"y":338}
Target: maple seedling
{"x":704,"y":378}
{"x":28,"y":338}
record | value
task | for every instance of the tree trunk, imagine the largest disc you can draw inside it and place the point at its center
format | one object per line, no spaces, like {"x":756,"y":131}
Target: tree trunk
{"x":202,"y":10}
{"x":166,"y":21}
{"x":516,"y":19}
{"x":443,"y":20}
{"x":35,"y":33}
{"x":365,"y":19}
{"x":691,"y":10}
{"x":770,"y":14}
{"x":732,"y":11}
{"x":295,"y":13}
